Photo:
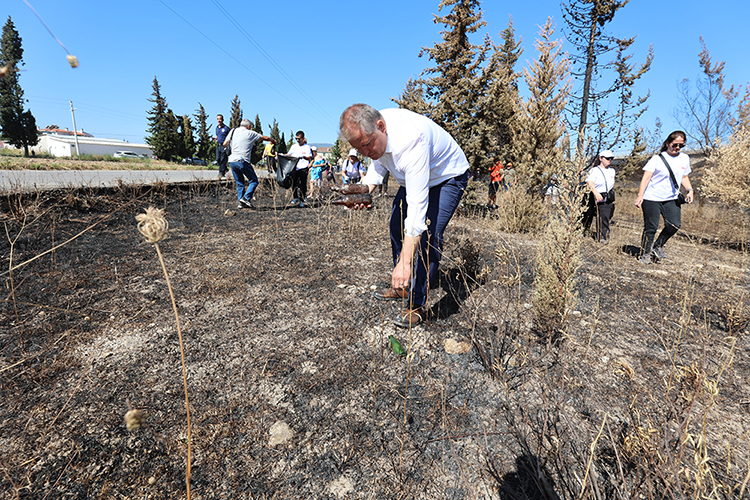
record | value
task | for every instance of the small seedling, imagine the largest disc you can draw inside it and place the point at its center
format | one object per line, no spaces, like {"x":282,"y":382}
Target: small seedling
{"x":396,"y":346}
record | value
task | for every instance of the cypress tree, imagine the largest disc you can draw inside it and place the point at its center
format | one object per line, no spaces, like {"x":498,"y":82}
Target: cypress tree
{"x":275,"y":132}
{"x":163,"y":127}
{"x":258,"y":147}
{"x":412,"y":98}
{"x":236,"y":118}
{"x":18,"y":127}
{"x":451,"y":96}
{"x":188,"y":141}
{"x":336,"y":152}
{"x":204,"y":144}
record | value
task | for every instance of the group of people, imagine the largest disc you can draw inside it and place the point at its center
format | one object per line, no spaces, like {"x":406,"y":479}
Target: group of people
{"x":234,"y":149}
{"x":659,"y":196}
{"x":432,"y":173}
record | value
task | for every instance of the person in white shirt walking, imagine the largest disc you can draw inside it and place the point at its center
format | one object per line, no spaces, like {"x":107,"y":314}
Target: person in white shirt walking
{"x":601,"y":181}
{"x":432,"y":172}
{"x":659,"y":195}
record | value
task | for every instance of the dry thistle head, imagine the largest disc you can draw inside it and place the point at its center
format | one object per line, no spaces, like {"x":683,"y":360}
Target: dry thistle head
{"x":73,"y":60}
{"x":134,"y":419}
{"x":152,"y":224}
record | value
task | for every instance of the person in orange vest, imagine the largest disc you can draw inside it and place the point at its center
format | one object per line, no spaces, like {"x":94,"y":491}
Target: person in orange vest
{"x":496,"y":177}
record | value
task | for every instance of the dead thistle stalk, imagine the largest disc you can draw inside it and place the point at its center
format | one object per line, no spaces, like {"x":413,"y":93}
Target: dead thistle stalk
{"x":153,"y":226}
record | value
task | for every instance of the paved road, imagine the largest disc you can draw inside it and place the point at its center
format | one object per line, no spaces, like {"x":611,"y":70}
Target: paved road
{"x":31,"y":180}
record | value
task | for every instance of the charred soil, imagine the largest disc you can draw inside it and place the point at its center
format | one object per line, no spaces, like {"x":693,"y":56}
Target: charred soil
{"x":295,"y":392}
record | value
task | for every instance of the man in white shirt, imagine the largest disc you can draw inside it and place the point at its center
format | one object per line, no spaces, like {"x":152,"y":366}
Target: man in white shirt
{"x":432,"y":172}
{"x":299,"y":180}
{"x":242,"y":139}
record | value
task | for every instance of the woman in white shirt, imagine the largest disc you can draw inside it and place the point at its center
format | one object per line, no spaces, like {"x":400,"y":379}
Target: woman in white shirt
{"x":658,"y":195}
{"x":600,"y":181}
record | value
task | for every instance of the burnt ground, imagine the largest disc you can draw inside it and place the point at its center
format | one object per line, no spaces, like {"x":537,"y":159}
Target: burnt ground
{"x":280,"y":327}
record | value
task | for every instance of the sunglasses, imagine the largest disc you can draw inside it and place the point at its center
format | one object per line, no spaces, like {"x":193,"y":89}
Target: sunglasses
{"x":610,"y":158}
{"x":678,"y":145}
{"x":300,"y":138}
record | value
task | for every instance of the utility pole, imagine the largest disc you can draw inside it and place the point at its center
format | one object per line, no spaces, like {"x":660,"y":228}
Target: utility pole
{"x":75,"y":134}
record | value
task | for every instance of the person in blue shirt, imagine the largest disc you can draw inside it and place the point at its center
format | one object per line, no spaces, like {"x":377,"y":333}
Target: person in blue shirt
{"x":221,"y":156}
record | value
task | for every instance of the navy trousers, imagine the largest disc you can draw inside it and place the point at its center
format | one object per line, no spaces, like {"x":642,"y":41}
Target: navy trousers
{"x":442,"y":203}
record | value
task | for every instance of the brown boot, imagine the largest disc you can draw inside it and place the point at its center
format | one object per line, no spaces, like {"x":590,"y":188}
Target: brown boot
{"x":411,"y":317}
{"x":391,"y":294}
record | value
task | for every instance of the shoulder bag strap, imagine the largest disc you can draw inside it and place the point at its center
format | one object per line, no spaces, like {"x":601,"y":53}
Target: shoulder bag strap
{"x":606,"y":188}
{"x":671,"y":174}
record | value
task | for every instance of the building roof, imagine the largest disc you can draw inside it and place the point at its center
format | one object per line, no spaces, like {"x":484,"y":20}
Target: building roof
{"x":96,"y":141}
{"x":63,"y":132}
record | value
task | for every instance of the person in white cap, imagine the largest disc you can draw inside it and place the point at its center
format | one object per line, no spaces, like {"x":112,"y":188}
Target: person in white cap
{"x":352,"y":170}
{"x":601,"y":206}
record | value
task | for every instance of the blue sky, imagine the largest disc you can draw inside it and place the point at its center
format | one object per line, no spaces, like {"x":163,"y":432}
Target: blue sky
{"x":315,"y":58}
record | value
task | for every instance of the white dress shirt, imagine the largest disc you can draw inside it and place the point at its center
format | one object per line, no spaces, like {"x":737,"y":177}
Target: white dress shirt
{"x":419,"y":155}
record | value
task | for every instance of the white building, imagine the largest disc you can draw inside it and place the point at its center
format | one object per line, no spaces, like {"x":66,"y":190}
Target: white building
{"x":59,"y":145}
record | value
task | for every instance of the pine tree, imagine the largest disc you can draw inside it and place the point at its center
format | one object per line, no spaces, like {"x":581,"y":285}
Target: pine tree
{"x":542,"y":122}
{"x":412,"y":98}
{"x":590,"y":109}
{"x":204,"y":144}
{"x":163,"y":136}
{"x":452,"y":93}
{"x":188,"y":141}
{"x":281,"y":146}
{"x":499,"y":106}
{"x":236,"y":118}
{"x":17,"y":127}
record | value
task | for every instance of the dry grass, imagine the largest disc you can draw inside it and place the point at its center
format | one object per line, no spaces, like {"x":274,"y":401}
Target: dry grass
{"x":644,"y":397}
{"x":14,"y":161}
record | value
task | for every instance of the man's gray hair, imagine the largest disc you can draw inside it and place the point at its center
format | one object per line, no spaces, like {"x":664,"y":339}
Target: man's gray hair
{"x":245,"y":123}
{"x":358,"y":118}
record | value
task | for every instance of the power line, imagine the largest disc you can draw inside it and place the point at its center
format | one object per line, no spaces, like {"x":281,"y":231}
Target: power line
{"x":271,"y":60}
{"x":240,"y":63}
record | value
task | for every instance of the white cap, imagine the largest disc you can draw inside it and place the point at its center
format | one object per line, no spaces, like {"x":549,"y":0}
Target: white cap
{"x":314,"y":148}
{"x":607,"y":154}
{"x":352,"y":152}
